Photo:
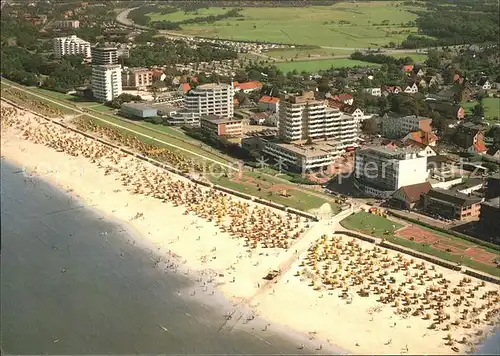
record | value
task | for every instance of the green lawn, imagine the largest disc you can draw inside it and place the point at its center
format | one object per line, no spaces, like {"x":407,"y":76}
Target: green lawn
{"x":370,"y":224}
{"x":491,"y":108}
{"x":310,"y":25}
{"x":289,"y":53}
{"x":181,"y":15}
{"x":321,"y":64}
{"x":297,"y":200}
{"x":366,"y":223}
{"x":417,"y":57}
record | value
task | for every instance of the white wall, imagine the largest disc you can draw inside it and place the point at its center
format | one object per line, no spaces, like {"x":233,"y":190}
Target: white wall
{"x":412,"y":171}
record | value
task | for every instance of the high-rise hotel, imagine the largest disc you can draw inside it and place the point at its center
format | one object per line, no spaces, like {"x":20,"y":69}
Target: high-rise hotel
{"x":106,"y":74}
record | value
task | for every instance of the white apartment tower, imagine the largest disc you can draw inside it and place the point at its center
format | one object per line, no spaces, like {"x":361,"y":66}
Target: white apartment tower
{"x":64,"y":46}
{"x":211,"y":99}
{"x":106,"y":74}
{"x":301,"y":117}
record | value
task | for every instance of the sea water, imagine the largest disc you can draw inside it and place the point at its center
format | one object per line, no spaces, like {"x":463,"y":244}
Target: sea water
{"x":72,"y":283}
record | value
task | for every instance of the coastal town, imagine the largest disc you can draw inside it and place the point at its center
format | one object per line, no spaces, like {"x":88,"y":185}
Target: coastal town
{"x":364,"y":193}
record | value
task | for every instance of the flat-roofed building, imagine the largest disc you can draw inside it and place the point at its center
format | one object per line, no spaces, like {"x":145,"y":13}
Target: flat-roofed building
{"x":211,"y":99}
{"x":302,"y":157}
{"x":67,"y":24}
{"x":380,"y":171}
{"x":138,"y":110}
{"x":451,"y":204}
{"x":137,"y":77}
{"x":71,"y":45}
{"x":219,"y":126}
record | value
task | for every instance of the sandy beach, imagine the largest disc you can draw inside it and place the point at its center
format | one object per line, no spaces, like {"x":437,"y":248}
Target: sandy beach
{"x":342,"y":293}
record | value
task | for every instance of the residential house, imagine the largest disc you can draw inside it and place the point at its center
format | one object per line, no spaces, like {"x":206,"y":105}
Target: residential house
{"x":247,"y":87}
{"x":397,"y":126}
{"x":494,"y":151}
{"x":418,"y":71}
{"x":183,"y":88}
{"x":428,"y":82}
{"x":391,"y":89}
{"x":345,"y":98}
{"x":411,"y":89}
{"x":451,"y":204}
{"x":457,"y":78}
{"x":269,"y":103}
{"x":423,"y":150}
{"x":424,"y":137}
{"x":408,"y":68}
{"x":484,"y":83}
{"x":446,"y":108}
{"x":470,"y":137}
{"x":373,"y":91}
{"x":409,"y":196}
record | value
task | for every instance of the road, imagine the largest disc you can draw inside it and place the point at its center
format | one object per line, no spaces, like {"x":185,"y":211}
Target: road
{"x":117,"y":125}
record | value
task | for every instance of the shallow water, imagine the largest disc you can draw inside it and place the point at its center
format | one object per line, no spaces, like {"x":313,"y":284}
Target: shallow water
{"x":72,"y":284}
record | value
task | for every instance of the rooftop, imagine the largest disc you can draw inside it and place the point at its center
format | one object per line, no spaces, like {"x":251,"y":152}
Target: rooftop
{"x":495,"y":202}
{"x":414,"y":191}
{"x":218,"y":120}
{"x":312,"y":150}
{"x":453,"y":197}
{"x":391,"y":152}
{"x":469,"y":183}
{"x":211,"y":86}
{"x":139,"y":106}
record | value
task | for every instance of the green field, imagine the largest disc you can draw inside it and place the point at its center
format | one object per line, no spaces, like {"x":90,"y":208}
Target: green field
{"x":377,"y":226}
{"x":289,"y":53}
{"x":312,"y":66}
{"x":308,"y":25}
{"x":491,"y":108}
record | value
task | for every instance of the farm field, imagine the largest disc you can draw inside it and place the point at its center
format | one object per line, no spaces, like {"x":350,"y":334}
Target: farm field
{"x":321,"y":64}
{"x":491,"y":108}
{"x":289,"y":53}
{"x":426,"y":240}
{"x":350,"y":25}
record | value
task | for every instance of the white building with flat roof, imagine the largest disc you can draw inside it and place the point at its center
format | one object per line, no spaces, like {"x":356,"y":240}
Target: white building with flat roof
{"x":302,"y":157}
{"x":302,"y":117}
{"x":380,"y":171}
{"x":106,"y":82}
{"x":71,"y":45}
{"x":211,"y":99}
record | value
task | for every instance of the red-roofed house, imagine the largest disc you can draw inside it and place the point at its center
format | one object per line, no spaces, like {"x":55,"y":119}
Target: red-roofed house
{"x":477,"y":147}
{"x":458,"y":79}
{"x":248,"y":86}
{"x":184,"y":88}
{"x":269,"y":103}
{"x":409,"y":196}
{"x":427,"y":138}
{"x":345,"y":98}
{"x":337,"y":104}
{"x":408,"y":68}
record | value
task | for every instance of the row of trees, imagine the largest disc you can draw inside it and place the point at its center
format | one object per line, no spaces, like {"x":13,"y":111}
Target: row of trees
{"x":170,"y":25}
{"x":456,"y":22}
{"x":171,"y":53}
{"x":380,"y":58}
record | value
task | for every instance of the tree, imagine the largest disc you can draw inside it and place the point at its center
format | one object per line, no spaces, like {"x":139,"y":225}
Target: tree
{"x":478,"y":110}
{"x":369,"y":126}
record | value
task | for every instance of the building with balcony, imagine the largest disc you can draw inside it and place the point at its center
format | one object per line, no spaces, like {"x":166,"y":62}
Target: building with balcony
{"x":380,"y":171}
{"x":137,"y":78}
{"x":395,"y":126}
{"x":104,"y":55}
{"x":68,"y":24}
{"x":106,"y":82}
{"x":210,"y":99}
{"x":451,"y":204}
{"x":71,"y":45}
{"x":219,"y":126}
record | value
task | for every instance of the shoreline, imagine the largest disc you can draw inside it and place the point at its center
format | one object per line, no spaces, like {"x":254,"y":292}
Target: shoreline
{"x":291,"y":305}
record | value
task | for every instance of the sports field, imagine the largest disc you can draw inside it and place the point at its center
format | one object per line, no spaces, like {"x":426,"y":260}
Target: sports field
{"x":426,"y":240}
{"x":312,"y":66}
{"x":350,"y":25}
